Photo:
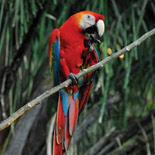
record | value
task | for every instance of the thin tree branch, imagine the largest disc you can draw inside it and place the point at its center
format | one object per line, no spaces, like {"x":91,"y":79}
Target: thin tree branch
{"x":66,"y":83}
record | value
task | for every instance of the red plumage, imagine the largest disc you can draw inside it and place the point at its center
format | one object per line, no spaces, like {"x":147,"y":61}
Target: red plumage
{"x":60,"y":123}
{"x":69,"y":52}
{"x":57,"y":148}
{"x":73,"y":114}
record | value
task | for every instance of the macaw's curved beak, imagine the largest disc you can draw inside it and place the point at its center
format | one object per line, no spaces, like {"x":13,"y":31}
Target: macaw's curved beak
{"x":100,"y":27}
{"x":97,"y":30}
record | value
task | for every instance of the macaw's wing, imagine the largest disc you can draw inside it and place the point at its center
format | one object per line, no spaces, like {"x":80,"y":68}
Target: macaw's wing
{"x":54,"y":55}
{"x":91,"y":59}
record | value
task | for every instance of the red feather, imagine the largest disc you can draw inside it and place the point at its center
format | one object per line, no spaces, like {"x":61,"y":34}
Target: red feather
{"x":57,"y":148}
{"x":74,"y":56}
{"x":60,"y":123}
{"x":67,"y":135}
{"x":73,"y":114}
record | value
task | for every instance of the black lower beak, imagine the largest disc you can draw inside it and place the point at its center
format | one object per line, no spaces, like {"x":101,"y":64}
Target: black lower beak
{"x":91,"y":30}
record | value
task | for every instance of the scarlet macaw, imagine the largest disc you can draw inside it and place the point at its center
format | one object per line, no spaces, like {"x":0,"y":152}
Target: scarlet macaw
{"x":70,"y":51}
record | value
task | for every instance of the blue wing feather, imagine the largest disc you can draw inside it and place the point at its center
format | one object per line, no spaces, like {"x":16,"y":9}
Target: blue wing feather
{"x":56,"y":62}
{"x":64,"y":98}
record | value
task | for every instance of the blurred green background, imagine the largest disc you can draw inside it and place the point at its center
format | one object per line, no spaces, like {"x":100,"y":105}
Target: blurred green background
{"x":120,"y":115}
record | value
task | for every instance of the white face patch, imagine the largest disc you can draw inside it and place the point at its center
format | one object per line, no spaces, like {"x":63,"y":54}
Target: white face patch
{"x":100,"y":27}
{"x":87,"y":21}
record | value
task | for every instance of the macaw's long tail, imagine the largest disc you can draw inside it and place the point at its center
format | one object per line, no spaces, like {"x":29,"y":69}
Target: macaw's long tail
{"x":69,"y":106}
{"x":67,"y":115}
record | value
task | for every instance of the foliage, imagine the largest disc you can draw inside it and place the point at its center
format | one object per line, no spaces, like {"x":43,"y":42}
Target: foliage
{"x":132,"y":76}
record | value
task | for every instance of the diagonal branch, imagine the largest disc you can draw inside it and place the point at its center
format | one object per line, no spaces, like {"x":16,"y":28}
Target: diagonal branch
{"x":66,"y":83}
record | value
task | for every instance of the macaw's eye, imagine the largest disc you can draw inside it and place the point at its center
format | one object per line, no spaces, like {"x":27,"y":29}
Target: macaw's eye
{"x":88,"y":16}
{"x":87,"y":21}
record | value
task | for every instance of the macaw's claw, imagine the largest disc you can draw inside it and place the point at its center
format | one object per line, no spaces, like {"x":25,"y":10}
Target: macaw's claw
{"x":94,"y":40}
{"x":74,"y":78}
{"x":91,"y":48}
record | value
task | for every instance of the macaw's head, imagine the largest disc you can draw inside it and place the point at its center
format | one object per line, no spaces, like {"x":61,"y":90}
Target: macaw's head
{"x":92,"y":23}
{"x":89,"y":22}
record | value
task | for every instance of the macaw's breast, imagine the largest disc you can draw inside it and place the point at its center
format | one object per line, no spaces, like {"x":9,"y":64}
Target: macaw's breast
{"x":72,"y":52}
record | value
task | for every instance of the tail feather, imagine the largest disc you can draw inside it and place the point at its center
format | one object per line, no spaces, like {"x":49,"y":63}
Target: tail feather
{"x":65,"y":124}
{"x":57,"y":148}
{"x":73,"y":114}
{"x":60,"y":123}
{"x":67,"y":119}
{"x":67,"y":137}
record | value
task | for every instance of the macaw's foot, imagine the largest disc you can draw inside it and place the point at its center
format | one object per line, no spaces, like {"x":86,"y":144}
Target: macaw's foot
{"x":74,"y":78}
{"x":92,"y":40}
